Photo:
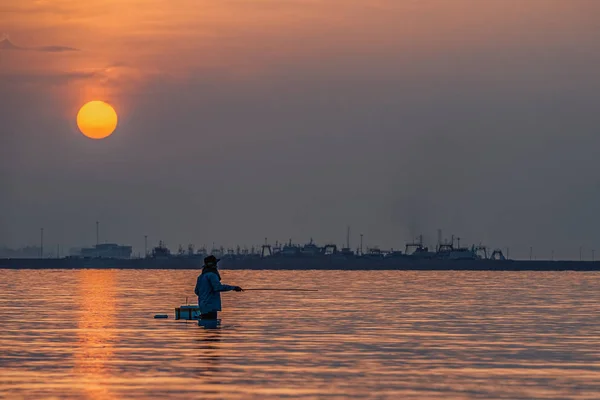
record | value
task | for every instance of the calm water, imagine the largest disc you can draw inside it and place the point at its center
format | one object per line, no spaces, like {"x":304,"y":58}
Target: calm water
{"x":91,"y":334}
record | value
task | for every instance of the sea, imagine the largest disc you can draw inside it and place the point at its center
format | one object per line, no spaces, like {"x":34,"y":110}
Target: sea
{"x":91,"y":334}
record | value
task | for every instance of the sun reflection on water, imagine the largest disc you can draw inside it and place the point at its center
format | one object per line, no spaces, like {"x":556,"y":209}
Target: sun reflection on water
{"x":95,"y":331}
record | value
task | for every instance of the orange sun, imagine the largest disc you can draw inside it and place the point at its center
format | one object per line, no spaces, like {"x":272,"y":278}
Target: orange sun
{"x":97,"y":119}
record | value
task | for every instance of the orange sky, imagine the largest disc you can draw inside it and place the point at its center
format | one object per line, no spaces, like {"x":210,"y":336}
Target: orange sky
{"x":124,"y":41}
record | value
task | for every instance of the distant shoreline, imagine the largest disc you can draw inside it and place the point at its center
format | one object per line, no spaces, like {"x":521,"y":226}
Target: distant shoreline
{"x":501,"y":266}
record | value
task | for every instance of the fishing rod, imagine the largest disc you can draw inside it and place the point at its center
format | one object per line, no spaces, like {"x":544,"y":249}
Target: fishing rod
{"x":286,"y":290}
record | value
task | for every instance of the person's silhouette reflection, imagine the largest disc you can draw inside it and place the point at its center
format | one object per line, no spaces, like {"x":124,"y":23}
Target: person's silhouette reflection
{"x":209,"y":355}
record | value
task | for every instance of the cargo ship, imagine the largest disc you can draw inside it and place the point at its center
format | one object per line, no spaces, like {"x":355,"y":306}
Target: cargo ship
{"x":416,"y":256}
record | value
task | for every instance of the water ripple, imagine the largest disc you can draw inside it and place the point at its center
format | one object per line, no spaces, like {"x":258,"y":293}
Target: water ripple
{"x":390,"y":334}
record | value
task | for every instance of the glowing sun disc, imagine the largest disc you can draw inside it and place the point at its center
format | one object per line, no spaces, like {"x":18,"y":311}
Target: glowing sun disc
{"x":97,"y":119}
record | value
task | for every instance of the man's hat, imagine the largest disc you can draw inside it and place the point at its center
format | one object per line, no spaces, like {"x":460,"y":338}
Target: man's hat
{"x":211,"y":260}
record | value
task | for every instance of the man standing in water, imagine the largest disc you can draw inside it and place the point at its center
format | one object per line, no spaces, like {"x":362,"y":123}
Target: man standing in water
{"x":209,"y":288}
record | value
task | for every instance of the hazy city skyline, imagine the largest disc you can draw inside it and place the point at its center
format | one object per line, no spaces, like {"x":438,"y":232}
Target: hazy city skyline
{"x":240,"y":120}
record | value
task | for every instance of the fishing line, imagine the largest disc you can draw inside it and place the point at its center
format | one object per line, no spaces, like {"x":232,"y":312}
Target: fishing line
{"x":296,"y":290}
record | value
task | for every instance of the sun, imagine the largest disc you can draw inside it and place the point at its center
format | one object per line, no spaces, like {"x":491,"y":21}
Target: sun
{"x":97,"y":119}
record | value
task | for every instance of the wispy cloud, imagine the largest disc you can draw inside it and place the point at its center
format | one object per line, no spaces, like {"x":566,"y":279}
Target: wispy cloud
{"x":7,"y":44}
{"x":55,"y":49}
{"x":47,"y":78}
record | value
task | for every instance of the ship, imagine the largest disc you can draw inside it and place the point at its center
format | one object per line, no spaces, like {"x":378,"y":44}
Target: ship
{"x":416,"y":256}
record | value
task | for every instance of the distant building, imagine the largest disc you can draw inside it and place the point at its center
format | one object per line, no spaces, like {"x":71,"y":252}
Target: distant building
{"x":106,"y":250}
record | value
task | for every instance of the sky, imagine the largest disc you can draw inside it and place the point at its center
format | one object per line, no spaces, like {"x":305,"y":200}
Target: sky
{"x":241,"y":120}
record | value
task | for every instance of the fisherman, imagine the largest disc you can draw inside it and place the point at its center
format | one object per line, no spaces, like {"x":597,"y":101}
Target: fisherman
{"x":209,"y":288}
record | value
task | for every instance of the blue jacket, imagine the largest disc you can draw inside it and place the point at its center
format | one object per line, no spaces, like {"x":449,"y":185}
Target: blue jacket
{"x":208,"y":289}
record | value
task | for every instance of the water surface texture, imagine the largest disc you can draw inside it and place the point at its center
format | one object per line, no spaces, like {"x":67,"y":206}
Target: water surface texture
{"x":90,"y":334}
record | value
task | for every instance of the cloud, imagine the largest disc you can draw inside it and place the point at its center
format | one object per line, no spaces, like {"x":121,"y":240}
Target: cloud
{"x":55,"y":49}
{"x":7,"y":44}
{"x":48,"y":78}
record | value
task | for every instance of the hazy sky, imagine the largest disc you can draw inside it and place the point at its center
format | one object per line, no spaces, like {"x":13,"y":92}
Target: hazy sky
{"x":245,"y":119}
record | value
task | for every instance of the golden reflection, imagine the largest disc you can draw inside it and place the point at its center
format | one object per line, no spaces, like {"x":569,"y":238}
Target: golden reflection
{"x":96,"y":327}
